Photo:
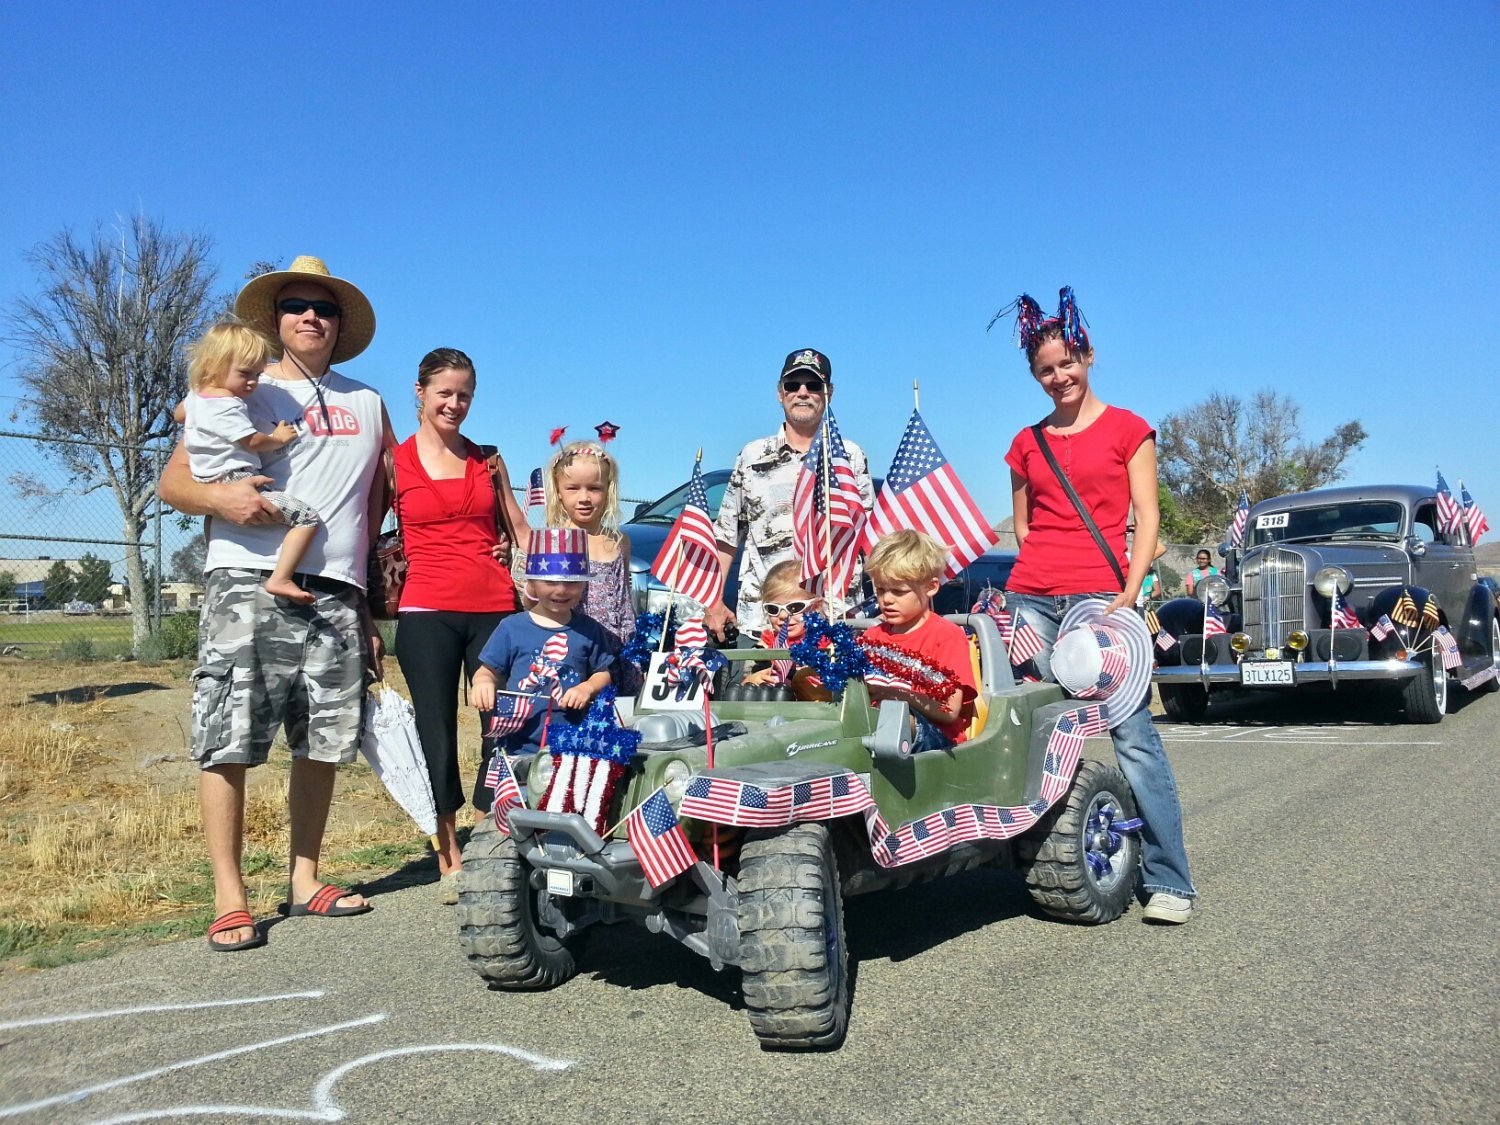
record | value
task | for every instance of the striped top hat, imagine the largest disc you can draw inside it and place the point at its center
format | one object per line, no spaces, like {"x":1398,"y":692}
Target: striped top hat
{"x":1103,"y":659}
{"x":558,"y":554}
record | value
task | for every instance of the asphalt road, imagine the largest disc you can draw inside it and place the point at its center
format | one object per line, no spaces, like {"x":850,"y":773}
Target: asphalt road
{"x":1342,"y":967}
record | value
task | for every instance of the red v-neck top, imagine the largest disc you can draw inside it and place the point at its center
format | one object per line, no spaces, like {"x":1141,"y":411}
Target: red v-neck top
{"x":448,"y":527}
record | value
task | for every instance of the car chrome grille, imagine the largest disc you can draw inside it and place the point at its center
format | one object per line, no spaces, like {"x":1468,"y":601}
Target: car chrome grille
{"x":1273,"y":596}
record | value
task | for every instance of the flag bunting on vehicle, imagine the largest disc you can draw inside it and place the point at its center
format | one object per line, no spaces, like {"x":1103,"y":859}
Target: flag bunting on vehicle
{"x":724,"y":800}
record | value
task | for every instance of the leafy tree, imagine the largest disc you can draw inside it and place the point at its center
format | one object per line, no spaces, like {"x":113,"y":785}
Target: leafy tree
{"x":92,"y":579}
{"x":101,"y":342}
{"x":58,"y":584}
{"x":1175,"y":527}
{"x":187,"y":560}
{"x":7,"y":586}
{"x":1215,"y":449}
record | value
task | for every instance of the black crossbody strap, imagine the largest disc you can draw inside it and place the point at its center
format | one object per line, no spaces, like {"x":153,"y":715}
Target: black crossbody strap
{"x":1088,"y":520}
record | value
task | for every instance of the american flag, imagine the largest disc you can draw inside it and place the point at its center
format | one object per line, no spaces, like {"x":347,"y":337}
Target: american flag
{"x":783,"y":668}
{"x":688,"y":561}
{"x":1241,"y":519}
{"x":991,"y":602}
{"x":1213,"y":622}
{"x":1473,"y":516}
{"x":536,"y":495}
{"x":923,"y":492}
{"x":507,"y":793}
{"x":1344,"y":616}
{"x":1447,"y":647}
{"x":1450,"y":515}
{"x":1382,"y":628}
{"x":825,"y":530}
{"x":658,"y":840}
{"x":1165,"y":640}
{"x":1026,"y":643}
{"x":512,"y":712}
{"x":727,"y":801}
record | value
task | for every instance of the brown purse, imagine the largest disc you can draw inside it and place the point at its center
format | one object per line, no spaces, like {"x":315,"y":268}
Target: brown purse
{"x":386,"y":573}
{"x":516,"y":562}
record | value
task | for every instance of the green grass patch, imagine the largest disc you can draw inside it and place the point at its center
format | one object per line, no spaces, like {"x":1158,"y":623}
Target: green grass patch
{"x":384,"y":855}
{"x":18,"y":937}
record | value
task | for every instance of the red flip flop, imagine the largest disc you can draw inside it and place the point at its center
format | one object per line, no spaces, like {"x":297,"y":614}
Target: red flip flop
{"x":234,"y":920}
{"x":324,"y":904}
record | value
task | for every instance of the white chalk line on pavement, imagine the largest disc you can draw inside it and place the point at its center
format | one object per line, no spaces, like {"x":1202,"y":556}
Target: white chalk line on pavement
{"x":217,"y":1056}
{"x":324,"y":1107}
{"x":73,"y":1017}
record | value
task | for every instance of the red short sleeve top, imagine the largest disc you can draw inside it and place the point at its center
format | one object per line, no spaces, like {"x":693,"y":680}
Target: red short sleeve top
{"x":1059,"y":555}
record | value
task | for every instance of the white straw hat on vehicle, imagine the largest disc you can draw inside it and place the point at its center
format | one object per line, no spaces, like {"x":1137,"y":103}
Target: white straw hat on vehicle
{"x":256,"y":305}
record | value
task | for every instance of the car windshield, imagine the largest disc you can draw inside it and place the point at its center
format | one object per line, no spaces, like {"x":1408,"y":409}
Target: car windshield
{"x":1357,"y":519}
{"x":667,"y":509}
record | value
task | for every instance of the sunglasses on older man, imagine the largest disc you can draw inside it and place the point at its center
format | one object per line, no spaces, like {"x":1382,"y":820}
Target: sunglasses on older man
{"x":296,"y":306}
{"x":776,"y":609}
{"x":790,"y":385}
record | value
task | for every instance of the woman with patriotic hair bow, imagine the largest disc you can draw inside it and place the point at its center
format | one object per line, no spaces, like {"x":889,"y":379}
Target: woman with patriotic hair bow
{"x":1075,"y":477}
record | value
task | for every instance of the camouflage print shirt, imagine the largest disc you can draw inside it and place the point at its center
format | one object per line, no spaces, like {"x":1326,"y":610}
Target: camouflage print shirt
{"x":757,"y":511}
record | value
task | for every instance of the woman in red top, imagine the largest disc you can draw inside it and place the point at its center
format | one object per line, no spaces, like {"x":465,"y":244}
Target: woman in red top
{"x":1109,"y":455}
{"x":457,"y":585}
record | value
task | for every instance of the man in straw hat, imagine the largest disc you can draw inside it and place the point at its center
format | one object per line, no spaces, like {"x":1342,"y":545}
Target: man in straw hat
{"x":265,"y":661}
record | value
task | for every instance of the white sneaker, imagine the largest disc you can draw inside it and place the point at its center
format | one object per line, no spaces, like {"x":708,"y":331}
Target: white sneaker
{"x":1172,"y":909}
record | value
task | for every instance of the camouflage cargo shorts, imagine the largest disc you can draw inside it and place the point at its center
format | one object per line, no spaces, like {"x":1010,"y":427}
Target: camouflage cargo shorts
{"x":263,"y":662}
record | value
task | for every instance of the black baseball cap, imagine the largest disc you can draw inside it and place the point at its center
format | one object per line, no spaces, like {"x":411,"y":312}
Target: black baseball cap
{"x":809,"y":360}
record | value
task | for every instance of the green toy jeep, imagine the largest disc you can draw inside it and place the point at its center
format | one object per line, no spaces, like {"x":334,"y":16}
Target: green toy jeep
{"x":807,"y":802}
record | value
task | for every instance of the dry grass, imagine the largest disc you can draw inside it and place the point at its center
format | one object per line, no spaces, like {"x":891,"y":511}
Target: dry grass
{"x":98,"y":846}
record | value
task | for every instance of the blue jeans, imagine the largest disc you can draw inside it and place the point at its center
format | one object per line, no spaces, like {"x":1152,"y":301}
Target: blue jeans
{"x":1138,"y":748}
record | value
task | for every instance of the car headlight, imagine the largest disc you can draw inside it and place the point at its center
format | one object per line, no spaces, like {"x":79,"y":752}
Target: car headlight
{"x":1214,"y":589}
{"x":676,"y":777}
{"x":1332,"y":578}
{"x":1240,"y":642}
{"x":540,"y":774}
{"x":1297,"y":640}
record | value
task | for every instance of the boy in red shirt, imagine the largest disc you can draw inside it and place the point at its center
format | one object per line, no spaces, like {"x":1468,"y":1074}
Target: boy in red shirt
{"x":907,"y":569}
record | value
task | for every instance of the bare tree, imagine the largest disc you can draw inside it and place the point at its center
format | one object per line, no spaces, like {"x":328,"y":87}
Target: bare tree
{"x":188,"y":560}
{"x":102,"y":342}
{"x":1215,"y":449}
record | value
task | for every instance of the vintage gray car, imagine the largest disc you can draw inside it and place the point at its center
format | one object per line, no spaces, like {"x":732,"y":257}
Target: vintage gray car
{"x":1415,"y":611}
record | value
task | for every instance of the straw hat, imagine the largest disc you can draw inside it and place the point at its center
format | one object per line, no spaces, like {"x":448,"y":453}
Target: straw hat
{"x":1103,"y":659}
{"x":256,"y":305}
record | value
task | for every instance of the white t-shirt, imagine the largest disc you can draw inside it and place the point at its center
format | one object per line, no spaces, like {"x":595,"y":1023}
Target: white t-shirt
{"x":330,"y":467}
{"x":214,"y":427}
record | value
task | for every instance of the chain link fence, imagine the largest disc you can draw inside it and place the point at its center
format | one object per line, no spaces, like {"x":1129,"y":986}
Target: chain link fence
{"x":67,"y":556}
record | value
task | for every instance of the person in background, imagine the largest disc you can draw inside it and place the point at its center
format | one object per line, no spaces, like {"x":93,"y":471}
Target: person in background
{"x":1202,"y":569}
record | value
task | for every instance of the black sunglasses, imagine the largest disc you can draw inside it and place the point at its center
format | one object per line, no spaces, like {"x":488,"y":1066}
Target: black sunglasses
{"x":296,"y":306}
{"x":774,"y":609}
{"x":789,"y":386}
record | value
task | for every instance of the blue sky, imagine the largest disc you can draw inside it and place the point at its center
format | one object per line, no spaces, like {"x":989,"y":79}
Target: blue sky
{"x":634,"y":212}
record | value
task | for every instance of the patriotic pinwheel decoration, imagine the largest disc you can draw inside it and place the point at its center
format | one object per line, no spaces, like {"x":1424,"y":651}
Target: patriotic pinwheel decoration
{"x":692,"y":661}
{"x":589,"y":760}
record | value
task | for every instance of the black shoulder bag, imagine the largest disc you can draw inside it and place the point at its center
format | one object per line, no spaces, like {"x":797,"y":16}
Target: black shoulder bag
{"x":1088,"y":520}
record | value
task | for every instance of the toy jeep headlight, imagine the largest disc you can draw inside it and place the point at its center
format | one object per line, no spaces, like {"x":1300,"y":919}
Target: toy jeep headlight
{"x":676,"y":776}
{"x":1332,"y":578}
{"x":1214,"y":589}
{"x":540,"y":774}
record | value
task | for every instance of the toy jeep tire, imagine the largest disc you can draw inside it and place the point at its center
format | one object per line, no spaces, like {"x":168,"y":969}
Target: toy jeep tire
{"x":1184,"y":703}
{"x":1056,"y":855}
{"x":1424,"y":696}
{"x":793,"y":958}
{"x":498,"y":929}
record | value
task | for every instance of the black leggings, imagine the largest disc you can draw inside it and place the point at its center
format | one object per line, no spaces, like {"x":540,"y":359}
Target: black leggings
{"x":432,"y":647}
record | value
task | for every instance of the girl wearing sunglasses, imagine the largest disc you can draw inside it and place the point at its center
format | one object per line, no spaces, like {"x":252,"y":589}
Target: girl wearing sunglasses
{"x":783,"y":600}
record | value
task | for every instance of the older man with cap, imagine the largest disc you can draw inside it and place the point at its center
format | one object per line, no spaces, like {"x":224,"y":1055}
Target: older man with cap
{"x":757,"y":505}
{"x":266,"y":661}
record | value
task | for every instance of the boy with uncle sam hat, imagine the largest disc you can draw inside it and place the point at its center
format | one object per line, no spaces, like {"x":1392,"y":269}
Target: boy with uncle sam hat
{"x":549,"y":657}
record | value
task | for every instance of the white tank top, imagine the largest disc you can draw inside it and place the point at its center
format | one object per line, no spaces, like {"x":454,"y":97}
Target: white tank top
{"x":330,"y":467}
